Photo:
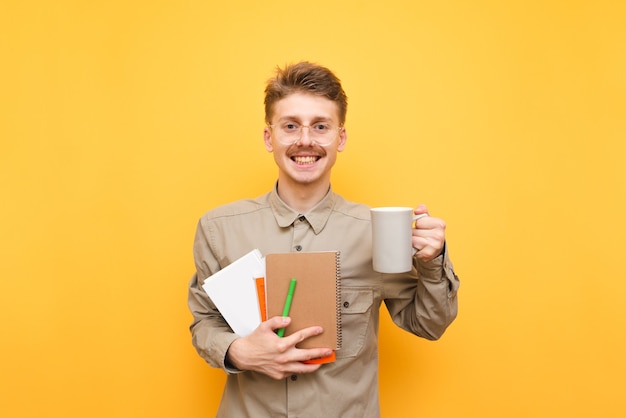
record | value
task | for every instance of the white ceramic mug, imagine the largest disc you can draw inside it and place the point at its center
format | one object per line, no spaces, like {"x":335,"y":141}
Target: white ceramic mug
{"x":392,"y":248}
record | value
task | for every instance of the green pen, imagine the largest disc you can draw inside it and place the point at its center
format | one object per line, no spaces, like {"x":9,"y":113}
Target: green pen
{"x":287,"y":307}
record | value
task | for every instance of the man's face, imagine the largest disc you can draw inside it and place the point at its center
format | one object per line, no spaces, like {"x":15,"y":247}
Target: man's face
{"x":304,"y":162}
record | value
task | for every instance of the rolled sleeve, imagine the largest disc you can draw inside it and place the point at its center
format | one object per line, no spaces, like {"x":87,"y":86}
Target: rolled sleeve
{"x":211,"y":335}
{"x":438,"y":270}
{"x":425,"y":304}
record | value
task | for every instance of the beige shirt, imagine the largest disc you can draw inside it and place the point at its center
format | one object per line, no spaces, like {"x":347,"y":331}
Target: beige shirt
{"x":422,"y":302}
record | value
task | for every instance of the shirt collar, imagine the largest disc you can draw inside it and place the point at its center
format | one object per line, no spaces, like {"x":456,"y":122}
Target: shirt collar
{"x":317,"y":217}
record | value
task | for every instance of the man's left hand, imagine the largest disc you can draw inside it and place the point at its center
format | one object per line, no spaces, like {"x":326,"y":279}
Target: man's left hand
{"x":428,"y":235}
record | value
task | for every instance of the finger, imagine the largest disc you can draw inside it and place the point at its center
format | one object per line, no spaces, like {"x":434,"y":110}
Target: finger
{"x":317,"y":353}
{"x":427,"y":248}
{"x":429,"y":232}
{"x":277,"y":322}
{"x":431,"y":237}
{"x":427,"y":254}
{"x":301,"y":335}
{"x":419,"y":243}
{"x":429,"y":224}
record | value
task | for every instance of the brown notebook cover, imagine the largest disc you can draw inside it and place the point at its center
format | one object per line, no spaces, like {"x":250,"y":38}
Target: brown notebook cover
{"x":317,"y":297}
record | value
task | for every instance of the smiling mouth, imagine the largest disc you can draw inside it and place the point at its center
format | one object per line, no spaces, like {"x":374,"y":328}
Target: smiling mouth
{"x":304,"y":160}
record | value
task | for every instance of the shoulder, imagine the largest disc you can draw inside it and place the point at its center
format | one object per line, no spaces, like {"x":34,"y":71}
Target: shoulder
{"x":237,"y":208}
{"x":358,"y":211}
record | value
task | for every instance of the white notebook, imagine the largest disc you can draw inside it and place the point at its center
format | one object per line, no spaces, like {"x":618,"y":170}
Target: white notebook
{"x":233,"y":290}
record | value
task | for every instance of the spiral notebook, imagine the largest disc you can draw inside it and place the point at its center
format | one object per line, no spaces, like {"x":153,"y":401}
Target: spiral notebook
{"x":317,"y":296}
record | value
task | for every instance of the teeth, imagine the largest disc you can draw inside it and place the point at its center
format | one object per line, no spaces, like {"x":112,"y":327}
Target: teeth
{"x":305,"y":160}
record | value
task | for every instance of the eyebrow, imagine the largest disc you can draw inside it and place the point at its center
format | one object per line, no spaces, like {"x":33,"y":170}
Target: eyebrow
{"x":299,"y":119}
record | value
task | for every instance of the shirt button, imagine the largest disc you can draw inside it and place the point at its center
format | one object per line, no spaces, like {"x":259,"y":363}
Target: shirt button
{"x":294,"y":377}
{"x":302,"y":218}
{"x":298,"y":247}
{"x":346,"y":304}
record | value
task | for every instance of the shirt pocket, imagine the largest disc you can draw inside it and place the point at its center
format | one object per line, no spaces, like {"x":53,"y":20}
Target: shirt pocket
{"x":356,"y":306}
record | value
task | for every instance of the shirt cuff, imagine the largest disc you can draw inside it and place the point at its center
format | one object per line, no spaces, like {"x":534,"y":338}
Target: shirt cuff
{"x":219,"y":349}
{"x":228,"y":366}
{"x":438,"y":269}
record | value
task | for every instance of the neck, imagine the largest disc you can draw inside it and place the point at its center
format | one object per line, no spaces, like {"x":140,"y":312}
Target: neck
{"x":302,"y":197}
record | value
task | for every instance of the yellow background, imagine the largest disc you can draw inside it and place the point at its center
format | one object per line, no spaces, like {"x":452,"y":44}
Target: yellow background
{"x":122,"y":122}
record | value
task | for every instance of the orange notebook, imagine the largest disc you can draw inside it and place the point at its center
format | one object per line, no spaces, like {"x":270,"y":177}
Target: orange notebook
{"x":260,"y":291}
{"x":317,"y":297}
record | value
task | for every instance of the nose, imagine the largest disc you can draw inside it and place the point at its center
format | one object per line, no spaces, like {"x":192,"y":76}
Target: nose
{"x":305,"y":139}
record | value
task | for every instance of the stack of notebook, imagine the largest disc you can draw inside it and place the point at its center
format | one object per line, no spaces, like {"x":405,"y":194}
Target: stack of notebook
{"x":254,"y":288}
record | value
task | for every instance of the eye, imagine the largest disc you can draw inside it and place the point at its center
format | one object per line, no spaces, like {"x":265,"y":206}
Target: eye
{"x":290,"y":127}
{"x":321,"y":128}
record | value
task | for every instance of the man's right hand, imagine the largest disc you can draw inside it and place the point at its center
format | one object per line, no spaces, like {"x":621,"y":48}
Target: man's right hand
{"x":265,"y":352}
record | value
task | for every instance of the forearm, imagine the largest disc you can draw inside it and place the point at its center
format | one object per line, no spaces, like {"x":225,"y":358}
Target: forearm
{"x":436,"y":296}
{"x":434,"y":302}
{"x":211,"y":335}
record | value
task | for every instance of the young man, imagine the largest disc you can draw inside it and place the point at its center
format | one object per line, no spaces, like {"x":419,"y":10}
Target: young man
{"x":305,"y":110}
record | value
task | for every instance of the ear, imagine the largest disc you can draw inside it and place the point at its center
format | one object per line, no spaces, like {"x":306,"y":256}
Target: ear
{"x":267,"y":138}
{"x":343,"y":138}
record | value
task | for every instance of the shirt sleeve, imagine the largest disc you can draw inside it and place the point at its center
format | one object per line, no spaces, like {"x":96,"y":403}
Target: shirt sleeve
{"x":426,"y":304}
{"x":211,"y":335}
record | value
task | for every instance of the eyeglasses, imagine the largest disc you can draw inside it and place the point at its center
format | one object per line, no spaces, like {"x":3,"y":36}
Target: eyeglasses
{"x":321,"y":133}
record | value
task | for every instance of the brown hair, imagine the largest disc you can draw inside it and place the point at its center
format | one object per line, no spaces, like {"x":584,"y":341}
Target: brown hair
{"x":305,"y":77}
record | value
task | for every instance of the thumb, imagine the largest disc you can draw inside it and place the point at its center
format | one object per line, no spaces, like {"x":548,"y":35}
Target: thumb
{"x":420,"y":209}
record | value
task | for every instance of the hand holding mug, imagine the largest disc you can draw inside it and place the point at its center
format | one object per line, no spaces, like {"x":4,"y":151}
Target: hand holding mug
{"x":428,"y":235}
{"x":395,"y":241}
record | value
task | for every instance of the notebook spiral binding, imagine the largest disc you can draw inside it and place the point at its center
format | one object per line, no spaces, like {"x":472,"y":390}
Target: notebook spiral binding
{"x":338,"y":297}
